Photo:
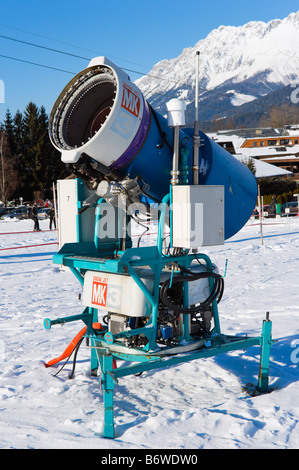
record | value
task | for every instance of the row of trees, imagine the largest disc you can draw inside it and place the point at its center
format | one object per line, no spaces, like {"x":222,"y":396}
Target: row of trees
{"x":29,"y":164}
{"x":283,"y":188}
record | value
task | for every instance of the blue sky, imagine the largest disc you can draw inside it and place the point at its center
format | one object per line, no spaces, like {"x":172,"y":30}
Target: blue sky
{"x":133,"y":34}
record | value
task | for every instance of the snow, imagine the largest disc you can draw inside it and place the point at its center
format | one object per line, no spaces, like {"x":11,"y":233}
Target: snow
{"x":243,"y":154}
{"x":258,"y":154}
{"x":195,"y":405}
{"x":239,"y":98}
{"x":267,"y":152}
{"x":263,"y":169}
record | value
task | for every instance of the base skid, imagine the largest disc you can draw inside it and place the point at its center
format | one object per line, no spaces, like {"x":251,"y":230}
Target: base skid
{"x":136,"y":362}
{"x":159,"y":302}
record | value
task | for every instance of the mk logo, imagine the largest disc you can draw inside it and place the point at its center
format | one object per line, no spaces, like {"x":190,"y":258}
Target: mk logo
{"x":130,"y":101}
{"x":99,"y":292}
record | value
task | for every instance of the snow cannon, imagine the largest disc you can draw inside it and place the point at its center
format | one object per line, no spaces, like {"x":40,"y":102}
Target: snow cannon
{"x":106,"y":131}
{"x":149,"y":302}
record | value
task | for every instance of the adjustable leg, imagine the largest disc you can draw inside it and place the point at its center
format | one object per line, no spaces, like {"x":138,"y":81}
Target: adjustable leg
{"x":107,"y":380}
{"x":263,"y":379}
{"x":94,"y":363}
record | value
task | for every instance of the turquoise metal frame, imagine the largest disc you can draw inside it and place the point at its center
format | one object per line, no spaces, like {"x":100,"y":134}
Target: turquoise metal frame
{"x":106,"y":256}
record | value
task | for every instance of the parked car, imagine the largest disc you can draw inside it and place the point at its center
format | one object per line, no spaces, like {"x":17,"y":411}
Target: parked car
{"x":43,"y":213}
{"x":15,"y":214}
{"x":268,"y":212}
{"x":5,"y":210}
{"x":289,"y":208}
{"x":265,"y":212}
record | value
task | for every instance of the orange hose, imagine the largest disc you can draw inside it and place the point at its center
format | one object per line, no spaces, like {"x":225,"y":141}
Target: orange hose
{"x":68,"y":351}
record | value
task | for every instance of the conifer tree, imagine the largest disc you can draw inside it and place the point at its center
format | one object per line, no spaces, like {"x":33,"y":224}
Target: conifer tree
{"x":37,"y":164}
{"x":8,"y":176}
{"x":32,"y":175}
{"x":9,"y":129}
{"x":17,"y":148}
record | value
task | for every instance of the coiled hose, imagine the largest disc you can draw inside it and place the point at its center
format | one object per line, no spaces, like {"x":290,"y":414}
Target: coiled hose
{"x":188,"y":276}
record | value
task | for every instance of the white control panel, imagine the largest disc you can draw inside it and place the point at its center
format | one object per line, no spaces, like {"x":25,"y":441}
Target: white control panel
{"x":197,"y":216}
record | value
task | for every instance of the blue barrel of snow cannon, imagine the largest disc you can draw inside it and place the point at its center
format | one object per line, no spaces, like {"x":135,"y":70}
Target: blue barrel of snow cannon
{"x":101,"y":122}
{"x":219,"y":167}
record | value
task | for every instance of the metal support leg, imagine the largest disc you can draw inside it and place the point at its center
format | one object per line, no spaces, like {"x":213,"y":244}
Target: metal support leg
{"x":107,"y":380}
{"x":94,"y":363}
{"x":263,"y":379}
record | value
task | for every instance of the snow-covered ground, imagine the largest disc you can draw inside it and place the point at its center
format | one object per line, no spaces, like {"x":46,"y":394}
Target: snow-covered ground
{"x":200,"y":404}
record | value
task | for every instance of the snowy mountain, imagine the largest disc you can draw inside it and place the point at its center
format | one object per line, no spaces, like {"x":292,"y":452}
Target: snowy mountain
{"x":237,"y":66}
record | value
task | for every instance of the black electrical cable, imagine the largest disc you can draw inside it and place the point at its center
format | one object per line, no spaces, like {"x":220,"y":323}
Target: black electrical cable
{"x":76,"y":348}
{"x":43,"y":47}
{"x":140,"y":237}
{"x":189,"y":276}
{"x":163,"y":134}
{"x":38,"y":65}
{"x":75,"y":357}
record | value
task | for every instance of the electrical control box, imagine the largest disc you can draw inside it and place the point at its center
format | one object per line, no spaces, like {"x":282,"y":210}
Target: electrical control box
{"x":197,"y":216}
{"x":71,"y":229}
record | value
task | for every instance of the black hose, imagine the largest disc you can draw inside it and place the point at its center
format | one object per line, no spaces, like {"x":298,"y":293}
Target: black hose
{"x":189,"y":276}
{"x":76,"y":349}
{"x":75,"y":357}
